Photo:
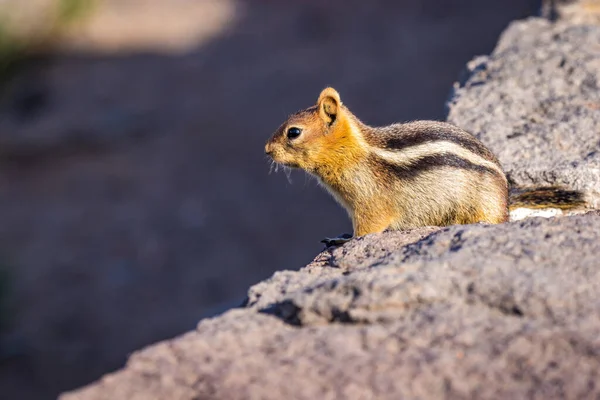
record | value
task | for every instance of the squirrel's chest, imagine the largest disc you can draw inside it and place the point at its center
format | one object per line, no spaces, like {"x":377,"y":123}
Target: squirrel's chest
{"x":352,"y":186}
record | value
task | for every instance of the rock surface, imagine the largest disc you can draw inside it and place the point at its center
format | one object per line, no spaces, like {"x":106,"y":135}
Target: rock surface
{"x":536,"y":103}
{"x":473,"y":311}
{"x":498,"y":311}
{"x":135,"y":197}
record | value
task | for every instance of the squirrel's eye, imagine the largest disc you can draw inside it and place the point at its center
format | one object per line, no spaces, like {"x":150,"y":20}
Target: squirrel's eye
{"x":293,"y":132}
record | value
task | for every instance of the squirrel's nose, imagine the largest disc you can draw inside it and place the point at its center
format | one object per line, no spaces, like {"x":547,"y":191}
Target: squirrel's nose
{"x":268,"y":148}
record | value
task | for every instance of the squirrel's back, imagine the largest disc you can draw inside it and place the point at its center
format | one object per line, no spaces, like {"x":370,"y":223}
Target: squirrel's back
{"x":440,"y":174}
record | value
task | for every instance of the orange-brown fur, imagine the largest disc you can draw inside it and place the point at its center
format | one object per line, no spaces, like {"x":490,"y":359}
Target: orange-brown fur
{"x":351,"y":160}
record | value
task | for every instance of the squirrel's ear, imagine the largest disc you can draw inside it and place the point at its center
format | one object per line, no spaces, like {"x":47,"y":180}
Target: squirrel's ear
{"x":329,"y":105}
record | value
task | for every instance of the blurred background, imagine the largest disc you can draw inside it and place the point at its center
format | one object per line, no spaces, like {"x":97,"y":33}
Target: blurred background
{"x":135,"y":197}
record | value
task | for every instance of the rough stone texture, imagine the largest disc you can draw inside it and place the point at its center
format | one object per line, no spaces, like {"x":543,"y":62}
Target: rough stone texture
{"x":536,"y":103}
{"x":365,"y":252}
{"x":135,"y":197}
{"x":478,"y":311}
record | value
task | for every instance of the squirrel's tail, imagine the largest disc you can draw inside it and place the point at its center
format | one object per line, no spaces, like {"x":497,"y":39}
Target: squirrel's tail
{"x":546,"y":201}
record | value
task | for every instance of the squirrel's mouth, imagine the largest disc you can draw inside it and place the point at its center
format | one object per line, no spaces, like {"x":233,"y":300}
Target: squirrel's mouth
{"x":280,"y":159}
{"x":287,"y":164}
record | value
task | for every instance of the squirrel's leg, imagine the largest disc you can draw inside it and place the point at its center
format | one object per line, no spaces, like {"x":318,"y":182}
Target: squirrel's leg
{"x":362,"y":226}
{"x":371,"y":225}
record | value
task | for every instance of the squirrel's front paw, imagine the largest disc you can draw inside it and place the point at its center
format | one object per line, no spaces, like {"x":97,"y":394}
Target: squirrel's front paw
{"x":337,"y":241}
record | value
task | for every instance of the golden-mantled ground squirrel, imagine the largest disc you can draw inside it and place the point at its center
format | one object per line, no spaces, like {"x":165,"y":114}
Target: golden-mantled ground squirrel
{"x":396,"y":177}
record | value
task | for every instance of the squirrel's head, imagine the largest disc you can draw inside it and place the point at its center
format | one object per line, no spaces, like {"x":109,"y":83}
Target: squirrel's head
{"x":309,"y":138}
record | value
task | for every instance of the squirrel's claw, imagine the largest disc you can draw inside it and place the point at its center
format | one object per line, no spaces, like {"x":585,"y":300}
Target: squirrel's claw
{"x":337,"y":241}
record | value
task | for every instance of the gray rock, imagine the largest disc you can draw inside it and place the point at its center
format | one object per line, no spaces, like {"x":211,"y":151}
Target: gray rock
{"x":364,"y":252}
{"x":536,"y":103}
{"x":471,"y":311}
{"x":476,"y":311}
